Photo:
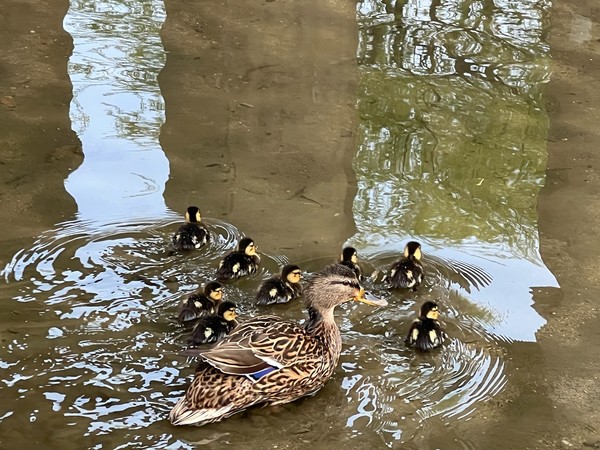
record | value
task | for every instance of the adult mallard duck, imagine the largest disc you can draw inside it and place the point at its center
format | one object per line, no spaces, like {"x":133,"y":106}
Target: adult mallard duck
{"x":269,"y":360}
{"x":213,"y":328}
{"x":426,"y":333}
{"x":192,"y":234}
{"x":281,"y":289}
{"x":202,"y":304}
{"x":408,"y":271}
{"x":241,"y":262}
{"x":349,"y":258}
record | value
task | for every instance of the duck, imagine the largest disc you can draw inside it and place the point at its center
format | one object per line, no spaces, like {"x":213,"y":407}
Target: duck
{"x":201,"y":304}
{"x":192,"y":234}
{"x":349,"y":258}
{"x":212,"y":328}
{"x":269,"y":360}
{"x":408,"y":271}
{"x":426,"y":332}
{"x":241,"y":262}
{"x":281,"y":289}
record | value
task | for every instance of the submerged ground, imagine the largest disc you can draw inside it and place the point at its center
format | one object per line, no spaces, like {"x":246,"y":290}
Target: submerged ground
{"x":275,"y":140}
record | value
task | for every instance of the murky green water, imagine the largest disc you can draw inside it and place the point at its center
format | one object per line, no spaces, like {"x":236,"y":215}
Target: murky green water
{"x":451,"y":152}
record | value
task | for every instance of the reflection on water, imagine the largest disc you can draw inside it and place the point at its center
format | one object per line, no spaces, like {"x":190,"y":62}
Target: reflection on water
{"x":451,"y":153}
{"x":453,"y":149}
{"x":117,"y":109}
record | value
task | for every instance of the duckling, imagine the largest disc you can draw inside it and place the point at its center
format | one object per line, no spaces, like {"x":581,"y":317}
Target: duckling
{"x":408,"y":271}
{"x":211,"y":329}
{"x":269,"y":360}
{"x":349,"y":258}
{"x":200,"y":305}
{"x":192,"y":234}
{"x":241,"y":262}
{"x":281,"y":289}
{"x":426,"y":332}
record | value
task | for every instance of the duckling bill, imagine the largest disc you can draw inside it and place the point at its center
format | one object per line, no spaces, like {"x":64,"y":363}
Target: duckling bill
{"x":192,"y":234}
{"x":408,"y":271}
{"x":426,"y":333}
{"x":269,"y":360}
{"x":241,"y":262}
{"x":281,"y":289}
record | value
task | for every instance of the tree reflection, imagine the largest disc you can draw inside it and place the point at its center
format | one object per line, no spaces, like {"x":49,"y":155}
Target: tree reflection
{"x":452,"y":145}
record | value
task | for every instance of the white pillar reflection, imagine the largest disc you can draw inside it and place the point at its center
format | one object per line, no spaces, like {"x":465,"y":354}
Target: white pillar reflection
{"x":117,"y":109}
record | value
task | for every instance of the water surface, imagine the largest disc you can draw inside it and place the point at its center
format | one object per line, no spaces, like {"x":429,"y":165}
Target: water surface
{"x":451,"y":151}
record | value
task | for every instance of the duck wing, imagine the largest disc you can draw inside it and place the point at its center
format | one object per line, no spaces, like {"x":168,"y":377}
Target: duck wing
{"x":258,"y":345}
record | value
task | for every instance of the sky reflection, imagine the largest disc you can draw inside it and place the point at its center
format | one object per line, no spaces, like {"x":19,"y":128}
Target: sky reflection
{"x":117,"y":109}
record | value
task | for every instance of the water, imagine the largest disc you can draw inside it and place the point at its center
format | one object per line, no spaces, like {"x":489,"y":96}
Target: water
{"x":90,"y":354}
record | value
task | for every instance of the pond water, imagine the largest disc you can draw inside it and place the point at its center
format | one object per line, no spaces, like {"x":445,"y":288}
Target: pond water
{"x":451,"y":151}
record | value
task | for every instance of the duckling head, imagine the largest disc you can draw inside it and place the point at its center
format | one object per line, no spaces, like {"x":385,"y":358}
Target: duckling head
{"x":247,"y":246}
{"x":349,"y":254}
{"x":214,"y":290}
{"x":228,"y":311}
{"x":429,"y":310}
{"x":192,"y":214}
{"x":413,"y":249}
{"x":291,"y":273}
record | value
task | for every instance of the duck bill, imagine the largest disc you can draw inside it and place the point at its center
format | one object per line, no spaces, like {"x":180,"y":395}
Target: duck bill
{"x":370,"y":299}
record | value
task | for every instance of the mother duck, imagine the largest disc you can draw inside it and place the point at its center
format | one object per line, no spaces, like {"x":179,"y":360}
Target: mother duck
{"x":268,"y":360}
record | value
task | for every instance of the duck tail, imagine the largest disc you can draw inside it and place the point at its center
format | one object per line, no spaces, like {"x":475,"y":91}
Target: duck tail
{"x":183,"y":414}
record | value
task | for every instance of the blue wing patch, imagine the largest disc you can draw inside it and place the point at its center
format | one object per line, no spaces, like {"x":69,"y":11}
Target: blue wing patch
{"x":261,"y":373}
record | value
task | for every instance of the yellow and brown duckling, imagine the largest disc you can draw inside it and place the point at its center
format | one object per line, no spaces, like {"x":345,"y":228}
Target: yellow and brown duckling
{"x":426,"y":333}
{"x":349,"y":258}
{"x":202,"y":304}
{"x":269,"y":360}
{"x":211,"y":329}
{"x":408,"y":271}
{"x":241,"y":262}
{"x":192,"y":234}
{"x":281,"y":289}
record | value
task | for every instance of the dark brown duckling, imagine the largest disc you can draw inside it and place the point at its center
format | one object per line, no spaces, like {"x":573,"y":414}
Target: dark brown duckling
{"x":202,"y":304}
{"x":408,"y":271}
{"x":241,"y":262}
{"x":349,"y":258}
{"x":211,"y":329}
{"x":192,"y":234}
{"x":426,"y":333}
{"x":281,"y":289}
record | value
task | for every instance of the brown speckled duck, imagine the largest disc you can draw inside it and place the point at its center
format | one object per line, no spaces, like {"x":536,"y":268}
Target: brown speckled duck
{"x":269,"y":360}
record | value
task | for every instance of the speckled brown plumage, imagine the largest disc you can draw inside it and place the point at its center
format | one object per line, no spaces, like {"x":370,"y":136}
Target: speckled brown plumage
{"x":268,"y":360}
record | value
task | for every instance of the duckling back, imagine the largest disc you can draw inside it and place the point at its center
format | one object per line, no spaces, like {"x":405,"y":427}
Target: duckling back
{"x":425,"y":334}
{"x":237,"y":265}
{"x":406,"y":273}
{"x":190,"y":236}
